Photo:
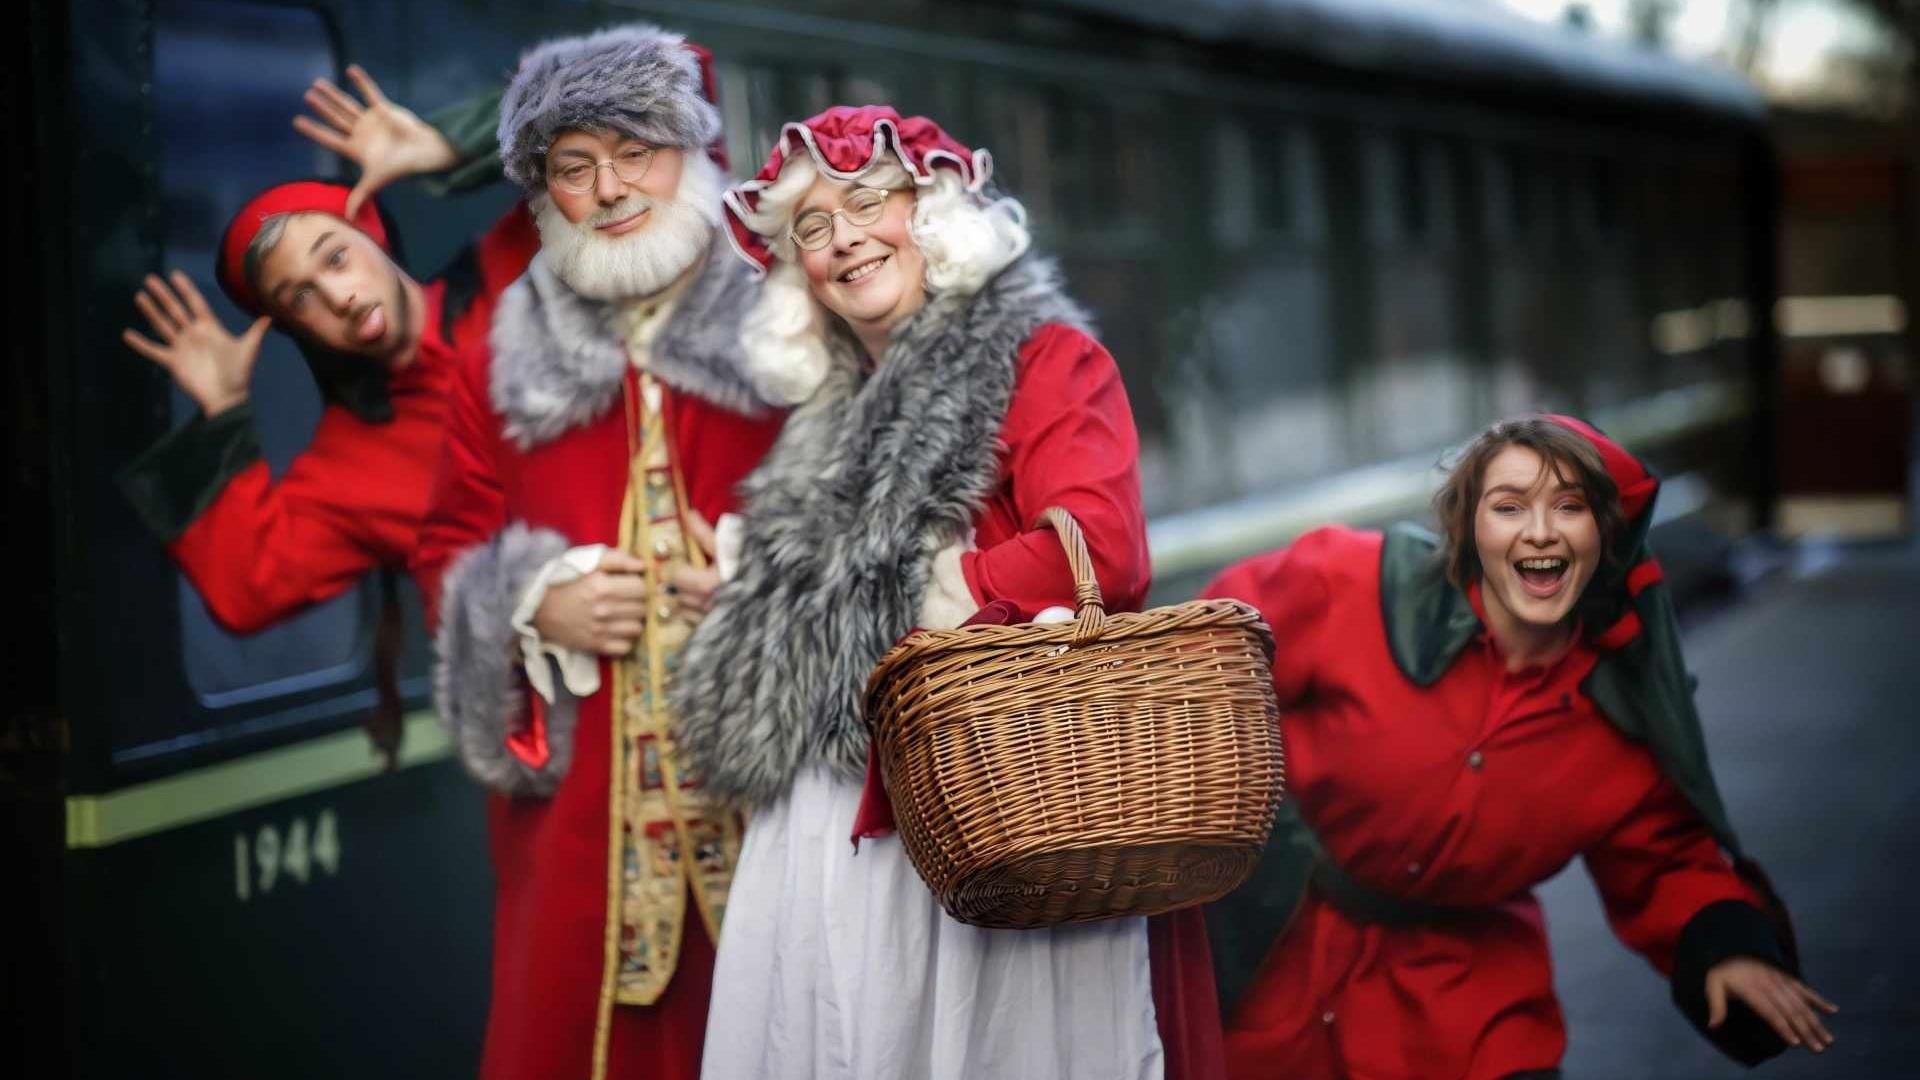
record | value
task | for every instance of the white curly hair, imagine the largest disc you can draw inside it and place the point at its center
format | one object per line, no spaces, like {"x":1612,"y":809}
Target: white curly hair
{"x":964,"y":238}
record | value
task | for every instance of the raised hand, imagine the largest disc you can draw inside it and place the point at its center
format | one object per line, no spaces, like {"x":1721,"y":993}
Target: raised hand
{"x":603,"y":612}
{"x":209,"y":365}
{"x":1789,"y":1006}
{"x":386,"y":140}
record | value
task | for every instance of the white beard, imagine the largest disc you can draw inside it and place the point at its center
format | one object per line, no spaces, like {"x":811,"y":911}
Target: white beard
{"x":642,"y":262}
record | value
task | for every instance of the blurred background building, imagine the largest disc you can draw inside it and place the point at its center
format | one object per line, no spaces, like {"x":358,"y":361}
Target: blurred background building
{"x":1325,"y":239}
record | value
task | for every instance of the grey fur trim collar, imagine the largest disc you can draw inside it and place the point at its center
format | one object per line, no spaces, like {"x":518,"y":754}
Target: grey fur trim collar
{"x":869,"y":478}
{"x":558,"y":361}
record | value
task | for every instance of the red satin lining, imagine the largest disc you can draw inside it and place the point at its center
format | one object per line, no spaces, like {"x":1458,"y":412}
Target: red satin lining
{"x":529,"y":743}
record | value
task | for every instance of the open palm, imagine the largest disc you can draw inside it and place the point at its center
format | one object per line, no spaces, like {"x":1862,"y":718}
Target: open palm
{"x":1789,"y":1006}
{"x":209,"y":365}
{"x":386,"y":140}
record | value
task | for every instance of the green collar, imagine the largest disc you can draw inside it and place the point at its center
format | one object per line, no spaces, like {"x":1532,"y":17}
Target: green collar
{"x":354,"y":383}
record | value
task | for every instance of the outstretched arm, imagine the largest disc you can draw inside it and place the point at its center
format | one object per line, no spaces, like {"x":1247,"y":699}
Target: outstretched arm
{"x":1673,"y":895}
{"x":389,"y":142}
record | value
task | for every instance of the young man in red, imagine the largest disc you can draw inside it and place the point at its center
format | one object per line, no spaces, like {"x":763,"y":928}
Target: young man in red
{"x":381,"y":346}
{"x":319,"y":262}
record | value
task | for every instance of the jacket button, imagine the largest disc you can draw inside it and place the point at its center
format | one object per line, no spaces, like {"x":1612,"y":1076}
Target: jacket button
{"x":664,"y":611}
{"x":662,"y":549}
{"x":1327,"y":1017}
{"x":1475,"y":760}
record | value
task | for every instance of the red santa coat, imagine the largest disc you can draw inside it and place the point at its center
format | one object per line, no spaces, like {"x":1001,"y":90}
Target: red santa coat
{"x":259,"y":549}
{"x":550,"y":853}
{"x":1465,"y":794}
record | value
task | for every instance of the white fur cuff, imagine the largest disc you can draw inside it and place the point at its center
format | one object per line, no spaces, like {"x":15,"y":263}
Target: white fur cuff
{"x":729,"y":536}
{"x":579,"y":671}
{"x":948,"y":601}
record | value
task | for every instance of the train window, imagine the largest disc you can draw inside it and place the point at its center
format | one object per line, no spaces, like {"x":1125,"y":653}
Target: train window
{"x":1276,"y":158}
{"x":776,"y":93}
{"x":1085,"y":192}
{"x":1603,"y":195}
{"x":1415,"y":190}
{"x":1299,"y":169}
{"x":1559,"y":198}
{"x":1233,"y":184}
{"x":1023,"y":164}
{"x":1131,"y":148}
{"x":1522,"y":190}
{"x":227,"y":76}
{"x":1379,"y":194}
{"x":1508,"y":193}
{"x":1410,"y":189}
{"x":1256,"y":181}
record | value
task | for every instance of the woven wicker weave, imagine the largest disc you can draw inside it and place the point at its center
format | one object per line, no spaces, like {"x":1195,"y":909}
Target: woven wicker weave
{"x":1118,"y":765}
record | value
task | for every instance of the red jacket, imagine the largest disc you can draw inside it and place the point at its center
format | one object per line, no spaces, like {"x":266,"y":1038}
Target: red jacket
{"x":1465,"y":794}
{"x":258,"y":549}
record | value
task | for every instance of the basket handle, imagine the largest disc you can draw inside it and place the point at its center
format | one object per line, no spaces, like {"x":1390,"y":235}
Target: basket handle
{"x":1092,"y":616}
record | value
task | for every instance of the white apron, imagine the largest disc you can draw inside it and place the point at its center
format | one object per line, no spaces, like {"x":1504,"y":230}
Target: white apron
{"x":837,"y":966}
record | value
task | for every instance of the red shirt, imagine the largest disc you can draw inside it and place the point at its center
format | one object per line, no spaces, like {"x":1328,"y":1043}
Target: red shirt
{"x":1467,"y":793}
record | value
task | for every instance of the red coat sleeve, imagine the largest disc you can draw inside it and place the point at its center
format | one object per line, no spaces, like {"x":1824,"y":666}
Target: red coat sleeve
{"x":1657,"y":870}
{"x":1070,"y":442}
{"x":468,"y":504}
{"x":262,"y":550}
{"x":1290,"y":588}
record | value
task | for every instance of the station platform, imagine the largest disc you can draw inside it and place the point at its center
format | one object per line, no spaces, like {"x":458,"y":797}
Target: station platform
{"x":1810,"y":695}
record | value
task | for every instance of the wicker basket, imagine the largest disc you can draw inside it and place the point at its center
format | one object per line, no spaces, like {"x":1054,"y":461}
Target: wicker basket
{"x":1112,"y":766}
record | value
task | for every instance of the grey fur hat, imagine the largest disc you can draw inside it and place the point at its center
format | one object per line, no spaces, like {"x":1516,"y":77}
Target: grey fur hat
{"x":638,"y":80}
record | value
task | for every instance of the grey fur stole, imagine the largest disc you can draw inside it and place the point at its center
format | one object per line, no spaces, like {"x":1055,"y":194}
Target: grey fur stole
{"x":558,"y":358}
{"x":869,"y":478}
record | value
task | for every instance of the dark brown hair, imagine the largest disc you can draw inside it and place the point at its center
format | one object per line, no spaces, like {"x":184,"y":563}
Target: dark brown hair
{"x":1573,"y":460}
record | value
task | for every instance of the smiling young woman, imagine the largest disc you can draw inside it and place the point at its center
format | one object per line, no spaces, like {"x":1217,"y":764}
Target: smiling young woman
{"x":1463,"y":716}
{"x":1528,"y":511}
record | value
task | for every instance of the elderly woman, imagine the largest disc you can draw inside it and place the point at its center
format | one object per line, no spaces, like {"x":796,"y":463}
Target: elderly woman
{"x":1463,"y":716}
{"x":948,"y":393}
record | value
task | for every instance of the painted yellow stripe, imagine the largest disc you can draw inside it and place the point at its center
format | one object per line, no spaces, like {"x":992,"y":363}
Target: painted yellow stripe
{"x":255,"y":780}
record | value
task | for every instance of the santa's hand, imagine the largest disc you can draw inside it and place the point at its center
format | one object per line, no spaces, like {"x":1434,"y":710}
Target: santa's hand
{"x":209,"y":365}
{"x":692,"y":589}
{"x":603,"y":612}
{"x":1789,"y":1006}
{"x":386,"y":140}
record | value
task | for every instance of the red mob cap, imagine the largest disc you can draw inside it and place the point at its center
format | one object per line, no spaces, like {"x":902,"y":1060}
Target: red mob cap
{"x":847,"y":142}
